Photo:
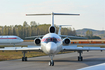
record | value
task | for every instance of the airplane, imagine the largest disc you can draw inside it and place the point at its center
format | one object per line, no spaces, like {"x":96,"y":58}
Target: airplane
{"x":94,"y":67}
{"x":10,"y":40}
{"x":51,"y":43}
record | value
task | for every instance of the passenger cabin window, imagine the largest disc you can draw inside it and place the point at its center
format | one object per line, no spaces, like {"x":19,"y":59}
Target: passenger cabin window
{"x":51,"y":40}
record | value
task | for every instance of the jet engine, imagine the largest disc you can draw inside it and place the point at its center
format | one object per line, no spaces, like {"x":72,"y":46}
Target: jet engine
{"x":66,"y":41}
{"x":52,"y":29}
{"x":37,"y":41}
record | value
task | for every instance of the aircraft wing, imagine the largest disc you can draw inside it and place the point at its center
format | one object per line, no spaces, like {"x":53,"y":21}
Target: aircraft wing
{"x":62,"y":36}
{"x":94,"y":67}
{"x":29,"y":48}
{"x":72,"y":36}
{"x":75,"y":48}
{"x":39,"y":36}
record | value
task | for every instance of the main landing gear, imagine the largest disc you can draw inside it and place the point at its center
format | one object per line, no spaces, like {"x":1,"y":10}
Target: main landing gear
{"x":24,"y":58}
{"x":51,"y":63}
{"x":80,"y":58}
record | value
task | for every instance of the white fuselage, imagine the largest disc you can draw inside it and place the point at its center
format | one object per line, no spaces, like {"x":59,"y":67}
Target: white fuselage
{"x":10,"y":39}
{"x":51,"y":44}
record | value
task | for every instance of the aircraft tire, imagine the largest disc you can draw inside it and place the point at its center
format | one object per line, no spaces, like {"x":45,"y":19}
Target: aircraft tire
{"x":22,"y":58}
{"x":51,"y":63}
{"x":25,"y":58}
{"x":81,"y":58}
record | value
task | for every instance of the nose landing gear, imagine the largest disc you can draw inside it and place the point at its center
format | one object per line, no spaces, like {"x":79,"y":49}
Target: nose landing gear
{"x":51,"y":63}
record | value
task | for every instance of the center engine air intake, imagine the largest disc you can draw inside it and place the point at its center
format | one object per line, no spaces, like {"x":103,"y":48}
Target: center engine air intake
{"x":52,"y":29}
{"x":37,"y":41}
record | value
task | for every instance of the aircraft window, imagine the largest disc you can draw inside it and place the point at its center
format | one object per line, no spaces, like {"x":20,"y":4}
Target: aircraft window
{"x":51,"y":40}
{"x":54,"y":39}
{"x":48,"y":39}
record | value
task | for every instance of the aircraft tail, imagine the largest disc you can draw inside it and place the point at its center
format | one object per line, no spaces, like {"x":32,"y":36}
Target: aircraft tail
{"x":52,"y":16}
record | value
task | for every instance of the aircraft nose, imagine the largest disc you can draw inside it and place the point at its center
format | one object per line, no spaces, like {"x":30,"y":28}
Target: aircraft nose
{"x":21,"y":40}
{"x":51,"y":47}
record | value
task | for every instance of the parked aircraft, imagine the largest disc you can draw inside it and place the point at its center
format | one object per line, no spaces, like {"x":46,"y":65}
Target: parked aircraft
{"x":10,"y":40}
{"x":52,"y":43}
{"x":94,"y":67}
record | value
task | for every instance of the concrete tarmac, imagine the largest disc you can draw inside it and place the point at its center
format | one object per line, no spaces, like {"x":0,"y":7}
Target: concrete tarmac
{"x":62,"y":62}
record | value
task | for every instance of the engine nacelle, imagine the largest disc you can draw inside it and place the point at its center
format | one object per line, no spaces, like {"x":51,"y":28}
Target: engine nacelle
{"x":66,"y":41}
{"x":37,"y":41}
{"x":52,"y":29}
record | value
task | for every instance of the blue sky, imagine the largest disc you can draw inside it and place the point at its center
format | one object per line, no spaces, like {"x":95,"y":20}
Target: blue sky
{"x":92,"y":12}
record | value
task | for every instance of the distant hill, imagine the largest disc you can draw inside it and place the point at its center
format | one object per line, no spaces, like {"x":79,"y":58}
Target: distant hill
{"x":82,"y":32}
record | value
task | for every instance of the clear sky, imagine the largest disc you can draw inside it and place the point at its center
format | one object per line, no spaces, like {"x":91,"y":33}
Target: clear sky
{"x":92,"y":12}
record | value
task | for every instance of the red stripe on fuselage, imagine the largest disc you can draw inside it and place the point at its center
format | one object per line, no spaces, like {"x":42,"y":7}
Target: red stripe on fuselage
{"x":8,"y":38}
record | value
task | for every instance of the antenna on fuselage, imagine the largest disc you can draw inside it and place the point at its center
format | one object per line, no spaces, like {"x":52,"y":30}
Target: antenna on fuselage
{"x":59,"y":31}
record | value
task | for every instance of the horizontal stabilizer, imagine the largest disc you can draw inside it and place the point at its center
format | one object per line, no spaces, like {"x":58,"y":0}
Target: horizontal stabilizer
{"x":51,"y":14}
{"x":74,"y":37}
{"x":36,"y":14}
{"x":65,"y":14}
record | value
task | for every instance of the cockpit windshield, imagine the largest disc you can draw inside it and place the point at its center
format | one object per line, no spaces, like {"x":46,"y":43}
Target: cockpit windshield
{"x":53,"y":39}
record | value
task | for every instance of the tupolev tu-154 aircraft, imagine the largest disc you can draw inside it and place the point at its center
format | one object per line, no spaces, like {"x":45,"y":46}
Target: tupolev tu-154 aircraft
{"x":51,"y":43}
